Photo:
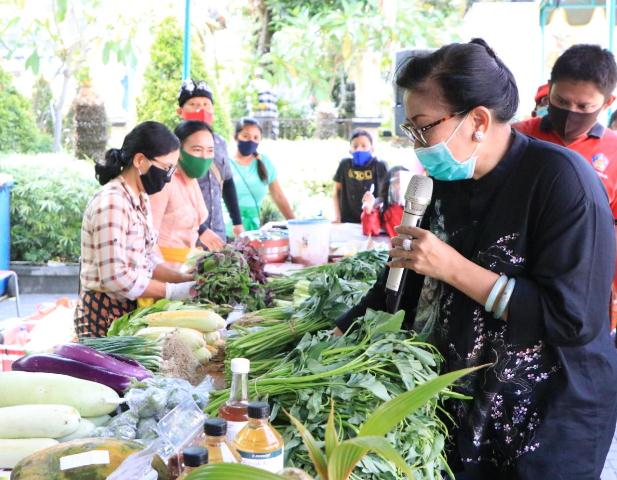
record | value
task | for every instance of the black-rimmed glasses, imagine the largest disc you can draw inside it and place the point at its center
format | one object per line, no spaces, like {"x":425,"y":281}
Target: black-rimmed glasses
{"x":416,"y":134}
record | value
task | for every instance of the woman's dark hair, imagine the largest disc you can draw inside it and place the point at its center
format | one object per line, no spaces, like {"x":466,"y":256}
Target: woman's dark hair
{"x":152,"y":139}
{"x":613,"y":118}
{"x":189,"y":127}
{"x":587,"y":63}
{"x":262,"y":171}
{"x":468,"y":75}
{"x":361,"y":133}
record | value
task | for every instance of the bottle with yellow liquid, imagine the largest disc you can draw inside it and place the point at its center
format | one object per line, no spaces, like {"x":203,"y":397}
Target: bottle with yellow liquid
{"x":235,"y":410}
{"x":258,"y":443}
{"x":193,"y":458}
{"x":215,"y":440}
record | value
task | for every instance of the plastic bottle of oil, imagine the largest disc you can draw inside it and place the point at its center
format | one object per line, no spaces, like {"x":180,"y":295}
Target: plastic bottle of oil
{"x":258,"y":443}
{"x":215,"y":440}
{"x":235,"y":410}
{"x":192,"y":458}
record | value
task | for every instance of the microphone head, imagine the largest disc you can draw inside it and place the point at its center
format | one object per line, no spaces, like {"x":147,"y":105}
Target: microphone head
{"x":418,"y":194}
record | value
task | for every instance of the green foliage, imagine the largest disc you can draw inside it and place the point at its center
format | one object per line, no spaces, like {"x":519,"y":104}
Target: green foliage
{"x":269,"y":212}
{"x":314,"y":47}
{"x":91,"y":125}
{"x":163,"y":78}
{"x":18,"y":129}
{"x":47,"y":204}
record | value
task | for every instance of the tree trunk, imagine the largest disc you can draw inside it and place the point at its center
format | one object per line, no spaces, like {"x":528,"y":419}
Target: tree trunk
{"x":264,"y":38}
{"x":58,"y":106}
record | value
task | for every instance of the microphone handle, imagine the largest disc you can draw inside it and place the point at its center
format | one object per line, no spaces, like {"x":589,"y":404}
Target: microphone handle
{"x":395,"y":285}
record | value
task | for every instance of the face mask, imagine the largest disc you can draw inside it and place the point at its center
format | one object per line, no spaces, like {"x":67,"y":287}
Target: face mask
{"x":441,"y":164}
{"x":154,"y":179}
{"x":247,"y":147}
{"x":541,"y":111}
{"x":361,"y":158}
{"x":194,"y":167}
{"x":568,"y":124}
{"x":199,"y":115}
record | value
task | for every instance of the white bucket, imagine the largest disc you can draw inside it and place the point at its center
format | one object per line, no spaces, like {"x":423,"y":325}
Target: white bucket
{"x":309,"y":241}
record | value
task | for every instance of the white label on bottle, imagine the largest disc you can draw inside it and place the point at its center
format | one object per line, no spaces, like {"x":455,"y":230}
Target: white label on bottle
{"x":94,"y":457}
{"x":233,"y":428}
{"x":271,"y":461}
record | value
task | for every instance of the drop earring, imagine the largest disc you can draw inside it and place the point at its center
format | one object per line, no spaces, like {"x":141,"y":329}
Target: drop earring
{"x":478,"y":136}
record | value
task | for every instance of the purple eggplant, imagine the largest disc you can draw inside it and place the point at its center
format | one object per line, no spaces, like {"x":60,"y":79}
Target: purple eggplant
{"x":50,"y":363}
{"x":90,"y":356}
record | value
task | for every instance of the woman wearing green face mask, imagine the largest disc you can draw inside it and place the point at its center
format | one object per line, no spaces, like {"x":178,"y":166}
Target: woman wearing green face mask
{"x":179,"y":210}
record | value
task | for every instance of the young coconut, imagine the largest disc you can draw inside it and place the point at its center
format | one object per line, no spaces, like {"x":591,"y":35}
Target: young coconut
{"x":295,"y":474}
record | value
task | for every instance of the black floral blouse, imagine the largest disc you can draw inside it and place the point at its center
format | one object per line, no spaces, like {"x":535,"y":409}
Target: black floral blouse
{"x":546,"y":408}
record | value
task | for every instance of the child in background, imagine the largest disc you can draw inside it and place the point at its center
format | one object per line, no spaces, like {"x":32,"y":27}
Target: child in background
{"x":386,"y":211}
{"x":355,"y":176}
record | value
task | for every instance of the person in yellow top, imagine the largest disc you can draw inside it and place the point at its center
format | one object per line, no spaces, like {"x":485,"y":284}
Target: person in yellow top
{"x":179,"y":210}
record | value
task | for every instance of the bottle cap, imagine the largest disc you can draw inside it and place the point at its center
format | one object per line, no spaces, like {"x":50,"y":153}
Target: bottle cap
{"x":215,"y":427}
{"x":259,"y":410}
{"x":195,"y":456}
{"x":240,"y":365}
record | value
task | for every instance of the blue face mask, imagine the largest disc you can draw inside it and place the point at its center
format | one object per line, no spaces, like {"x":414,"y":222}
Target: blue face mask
{"x":441,"y":164}
{"x":247,"y":147}
{"x":360,"y":158}
{"x":542,"y":111}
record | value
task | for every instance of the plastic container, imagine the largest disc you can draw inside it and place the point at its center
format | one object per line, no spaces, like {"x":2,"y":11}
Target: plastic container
{"x":309,"y":241}
{"x":6,"y":184}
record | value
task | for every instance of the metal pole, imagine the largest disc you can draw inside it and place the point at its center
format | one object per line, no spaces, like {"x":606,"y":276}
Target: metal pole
{"x":186,"y":67}
{"x":543,"y":8}
{"x":610,"y":15}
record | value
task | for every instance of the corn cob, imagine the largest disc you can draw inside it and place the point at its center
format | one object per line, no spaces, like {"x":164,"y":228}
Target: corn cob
{"x":202,"y":320}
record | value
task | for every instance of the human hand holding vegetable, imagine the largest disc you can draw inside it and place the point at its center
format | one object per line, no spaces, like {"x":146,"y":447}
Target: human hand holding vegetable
{"x":211,"y":240}
{"x":368,"y":201}
{"x":237,"y":230}
{"x":178,"y":291}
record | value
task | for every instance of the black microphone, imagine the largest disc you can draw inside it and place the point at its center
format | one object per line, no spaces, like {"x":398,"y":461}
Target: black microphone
{"x":417,"y":198}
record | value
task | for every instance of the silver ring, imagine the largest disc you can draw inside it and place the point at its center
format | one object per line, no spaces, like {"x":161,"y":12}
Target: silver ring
{"x":407,"y":244}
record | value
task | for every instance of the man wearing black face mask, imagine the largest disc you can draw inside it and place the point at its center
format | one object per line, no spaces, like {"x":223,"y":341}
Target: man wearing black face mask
{"x":581,"y":88}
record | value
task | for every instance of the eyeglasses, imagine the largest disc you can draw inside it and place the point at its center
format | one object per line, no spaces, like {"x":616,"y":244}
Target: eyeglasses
{"x":170,"y":169}
{"x":416,"y":134}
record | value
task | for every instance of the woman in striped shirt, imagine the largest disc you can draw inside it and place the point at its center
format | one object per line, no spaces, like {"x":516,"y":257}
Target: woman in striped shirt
{"x":118,"y":261}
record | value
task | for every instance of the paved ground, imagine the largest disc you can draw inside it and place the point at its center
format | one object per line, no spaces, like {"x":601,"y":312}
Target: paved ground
{"x":28,"y":307}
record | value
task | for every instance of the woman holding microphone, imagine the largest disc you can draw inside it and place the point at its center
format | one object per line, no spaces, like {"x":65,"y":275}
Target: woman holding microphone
{"x":512,"y":268}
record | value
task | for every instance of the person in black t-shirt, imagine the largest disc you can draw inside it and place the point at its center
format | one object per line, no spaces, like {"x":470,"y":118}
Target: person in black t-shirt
{"x":355,"y":176}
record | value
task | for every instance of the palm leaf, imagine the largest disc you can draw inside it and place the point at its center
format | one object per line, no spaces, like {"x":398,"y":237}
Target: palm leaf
{"x":317,"y":456}
{"x":347,"y":455}
{"x":236,"y":471}
{"x":332,"y":440}
{"x":391,"y":413}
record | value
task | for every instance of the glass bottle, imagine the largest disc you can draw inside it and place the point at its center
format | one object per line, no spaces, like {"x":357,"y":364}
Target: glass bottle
{"x":215,"y":440}
{"x":192,"y":458}
{"x":235,"y":410}
{"x":258,"y":443}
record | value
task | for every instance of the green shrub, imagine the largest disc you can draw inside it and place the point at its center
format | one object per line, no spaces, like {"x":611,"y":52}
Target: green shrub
{"x":163,"y":77}
{"x":47,"y":204}
{"x":18,"y":129}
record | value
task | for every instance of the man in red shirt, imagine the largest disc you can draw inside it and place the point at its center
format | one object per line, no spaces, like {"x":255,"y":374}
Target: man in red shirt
{"x":580,"y":89}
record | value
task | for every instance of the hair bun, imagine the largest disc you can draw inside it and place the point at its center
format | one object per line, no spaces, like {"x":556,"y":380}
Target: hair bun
{"x":482,"y":42}
{"x":111,"y":167}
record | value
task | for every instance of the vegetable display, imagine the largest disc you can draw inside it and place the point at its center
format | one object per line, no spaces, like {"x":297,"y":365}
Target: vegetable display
{"x":226,"y":277}
{"x":91,"y":399}
{"x":359,"y":371}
